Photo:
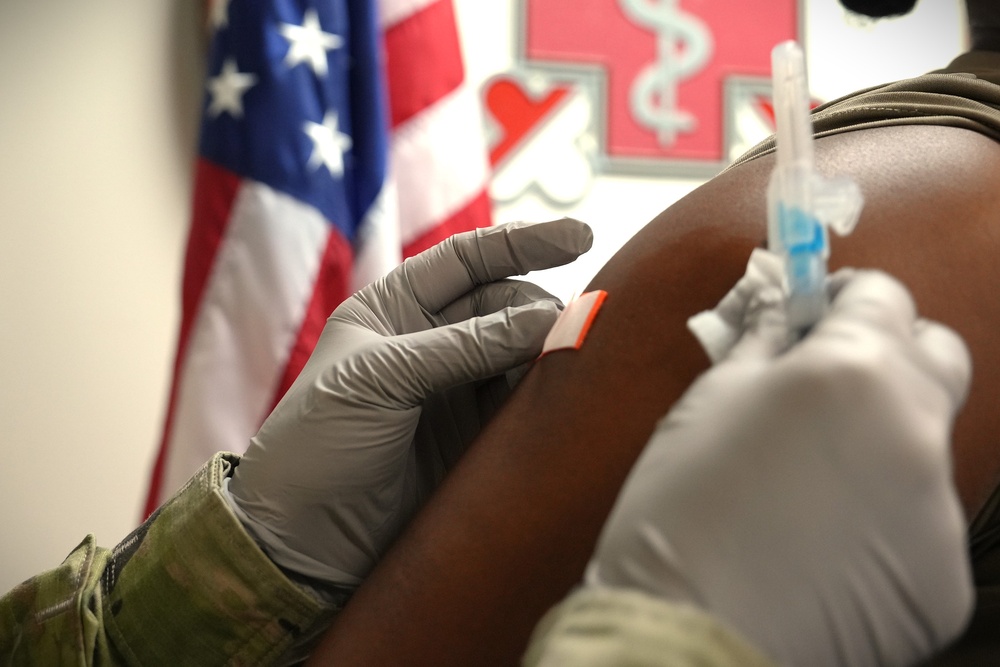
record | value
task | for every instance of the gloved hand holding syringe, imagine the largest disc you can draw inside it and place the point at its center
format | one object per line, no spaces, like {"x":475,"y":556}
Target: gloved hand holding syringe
{"x":800,"y":202}
{"x":812,"y":561}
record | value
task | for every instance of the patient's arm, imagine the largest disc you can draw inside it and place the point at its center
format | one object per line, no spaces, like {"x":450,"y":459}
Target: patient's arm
{"x":512,"y":527}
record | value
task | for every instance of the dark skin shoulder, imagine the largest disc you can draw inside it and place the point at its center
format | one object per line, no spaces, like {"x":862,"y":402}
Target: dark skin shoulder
{"x":509,"y":532}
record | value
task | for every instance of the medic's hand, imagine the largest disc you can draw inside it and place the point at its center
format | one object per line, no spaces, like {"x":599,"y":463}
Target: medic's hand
{"x":718,"y":329}
{"x":402,"y":379}
{"x":804,"y":495}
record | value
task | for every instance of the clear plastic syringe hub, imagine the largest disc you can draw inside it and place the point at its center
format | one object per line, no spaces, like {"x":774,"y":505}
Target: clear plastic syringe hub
{"x":801,"y":203}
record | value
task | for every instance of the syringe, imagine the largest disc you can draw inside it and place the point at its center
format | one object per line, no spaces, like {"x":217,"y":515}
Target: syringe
{"x":800,"y":202}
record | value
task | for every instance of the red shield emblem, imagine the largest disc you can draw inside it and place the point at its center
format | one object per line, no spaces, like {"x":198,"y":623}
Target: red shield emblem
{"x":664,"y":81}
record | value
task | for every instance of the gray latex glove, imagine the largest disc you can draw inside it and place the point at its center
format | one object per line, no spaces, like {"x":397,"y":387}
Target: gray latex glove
{"x":803,"y":494}
{"x":401,"y":380}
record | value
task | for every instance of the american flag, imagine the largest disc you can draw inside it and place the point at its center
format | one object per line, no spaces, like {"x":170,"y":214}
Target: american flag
{"x":338,"y":137}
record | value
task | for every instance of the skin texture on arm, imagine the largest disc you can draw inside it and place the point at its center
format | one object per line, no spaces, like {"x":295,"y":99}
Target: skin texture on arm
{"x":510,"y":531}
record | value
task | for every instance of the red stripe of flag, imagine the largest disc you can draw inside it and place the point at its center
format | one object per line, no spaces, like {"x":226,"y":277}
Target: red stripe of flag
{"x":423,"y":60}
{"x":424,"y":65}
{"x":425,"y":75}
{"x":476,"y":214}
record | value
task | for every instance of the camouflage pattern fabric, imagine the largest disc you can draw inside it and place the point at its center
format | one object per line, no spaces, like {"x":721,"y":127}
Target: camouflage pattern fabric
{"x":596,"y":627}
{"x":188,"y":587}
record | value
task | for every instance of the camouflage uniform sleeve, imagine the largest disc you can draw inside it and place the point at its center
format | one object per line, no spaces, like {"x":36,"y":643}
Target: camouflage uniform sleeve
{"x":51,"y":619}
{"x":188,"y":587}
{"x":596,"y":627}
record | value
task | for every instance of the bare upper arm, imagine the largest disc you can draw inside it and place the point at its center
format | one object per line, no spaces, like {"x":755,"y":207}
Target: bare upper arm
{"x":512,"y":527}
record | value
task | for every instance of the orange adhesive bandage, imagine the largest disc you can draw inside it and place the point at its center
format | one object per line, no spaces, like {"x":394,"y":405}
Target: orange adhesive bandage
{"x":570,"y":329}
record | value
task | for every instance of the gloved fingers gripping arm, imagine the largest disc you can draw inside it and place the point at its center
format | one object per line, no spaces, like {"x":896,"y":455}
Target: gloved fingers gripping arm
{"x":413,"y":366}
{"x":390,"y":397}
{"x":454,"y":316}
{"x":493,"y":298}
{"x":410,"y":296}
{"x":803,"y":492}
{"x":464,"y":261}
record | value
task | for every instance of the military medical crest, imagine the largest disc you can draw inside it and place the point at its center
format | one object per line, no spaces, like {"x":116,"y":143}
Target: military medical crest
{"x":673,"y":88}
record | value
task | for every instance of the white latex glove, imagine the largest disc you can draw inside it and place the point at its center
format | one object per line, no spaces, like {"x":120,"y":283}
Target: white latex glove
{"x":402,"y":379}
{"x":804,"y":495}
{"x":718,"y":329}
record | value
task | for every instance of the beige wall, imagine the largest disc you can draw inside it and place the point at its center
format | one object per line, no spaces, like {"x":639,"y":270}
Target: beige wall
{"x":98,"y":111}
{"x":98,"y":121}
